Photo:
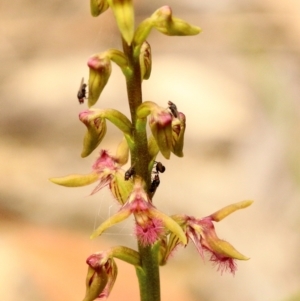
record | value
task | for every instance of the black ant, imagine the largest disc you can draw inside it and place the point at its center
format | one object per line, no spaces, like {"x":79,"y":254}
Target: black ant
{"x":81,"y":94}
{"x":159,"y":167}
{"x":129,"y":173}
{"x":154,"y":184}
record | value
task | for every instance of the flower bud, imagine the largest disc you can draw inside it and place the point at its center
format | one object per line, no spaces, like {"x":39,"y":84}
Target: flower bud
{"x":178,"y":129}
{"x":145,"y":60}
{"x":102,"y":274}
{"x":98,"y":7}
{"x":95,"y":120}
{"x":164,"y":22}
{"x":96,"y":130}
{"x":100,"y":70}
{"x":124,"y":14}
{"x":160,"y":123}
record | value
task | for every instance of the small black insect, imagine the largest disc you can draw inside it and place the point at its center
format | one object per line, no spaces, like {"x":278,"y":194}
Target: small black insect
{"x":159,"y":167}
{"x":129,"y":173}
{"x":154,"y":184}
{"x":81,"y":94}
{"x":173,"y":108}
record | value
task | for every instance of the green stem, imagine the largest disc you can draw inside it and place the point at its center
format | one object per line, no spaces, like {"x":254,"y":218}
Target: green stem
{"x":140,"y":155}
{"x":148,"y":274}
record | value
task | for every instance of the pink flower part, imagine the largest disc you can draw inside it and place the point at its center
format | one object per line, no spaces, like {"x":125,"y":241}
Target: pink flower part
{"x":105,"y":166}
{"x":223,"y":263}
{"x":84,"y":116}
{"x":104,"y":181}
{"x":202,"y":233}
{"x":150,"y":221}
{"x":139,"y":205}
{"x":150,"y":232}
{"x":138,"y":199}
{"x":148,"y":229}
{"x":95,"y":63}
{"x":104,"y":161}
{"x":94,"y":261}
{"x":161,"y":118}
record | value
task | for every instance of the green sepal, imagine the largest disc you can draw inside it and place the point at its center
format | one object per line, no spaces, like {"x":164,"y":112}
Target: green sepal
{"x":96,"y":130}
{"x":119,"y":58}
{"x":96,"y":281}
{"x":117,"y":118}
{"x":98,"y":7}
{"x":163,"y":137}
{"x":146,"y":108}
{"x":75,"y":180}
{"x":124,"y":13}
{"x":145,"y":60}
{"x":224,"y":248}
{"x":141,"y":34}
{"x":115,"y":219}
{"x":100,"y":70}
{"x":153,"y":150}
{"x":224,"y":212}
{"x":122,"y":153}
{"x":178,"y":129}
{"x":170,"y":224}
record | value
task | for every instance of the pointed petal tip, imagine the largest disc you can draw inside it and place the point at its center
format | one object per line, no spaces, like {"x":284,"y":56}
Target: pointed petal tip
{"x":248,"y":203}
{"x":243,"y":257}
{"x":97,"y":233}
{"x":93,"y":236}
{"x":166,"y":155}
{"x":224,"y":212}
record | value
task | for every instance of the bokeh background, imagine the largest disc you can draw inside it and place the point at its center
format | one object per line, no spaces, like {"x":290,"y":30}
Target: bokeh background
{"x":238,"y":84}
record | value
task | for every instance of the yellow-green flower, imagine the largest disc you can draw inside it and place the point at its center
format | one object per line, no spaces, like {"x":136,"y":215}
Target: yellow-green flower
{"x":107,"y":170}
{"x":202,"y":233}
{"x":101,"y":277}
{"x":151,"y":224}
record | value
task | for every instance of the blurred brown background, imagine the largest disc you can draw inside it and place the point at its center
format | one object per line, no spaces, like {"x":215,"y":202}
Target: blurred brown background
{"x":237,"y":83}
